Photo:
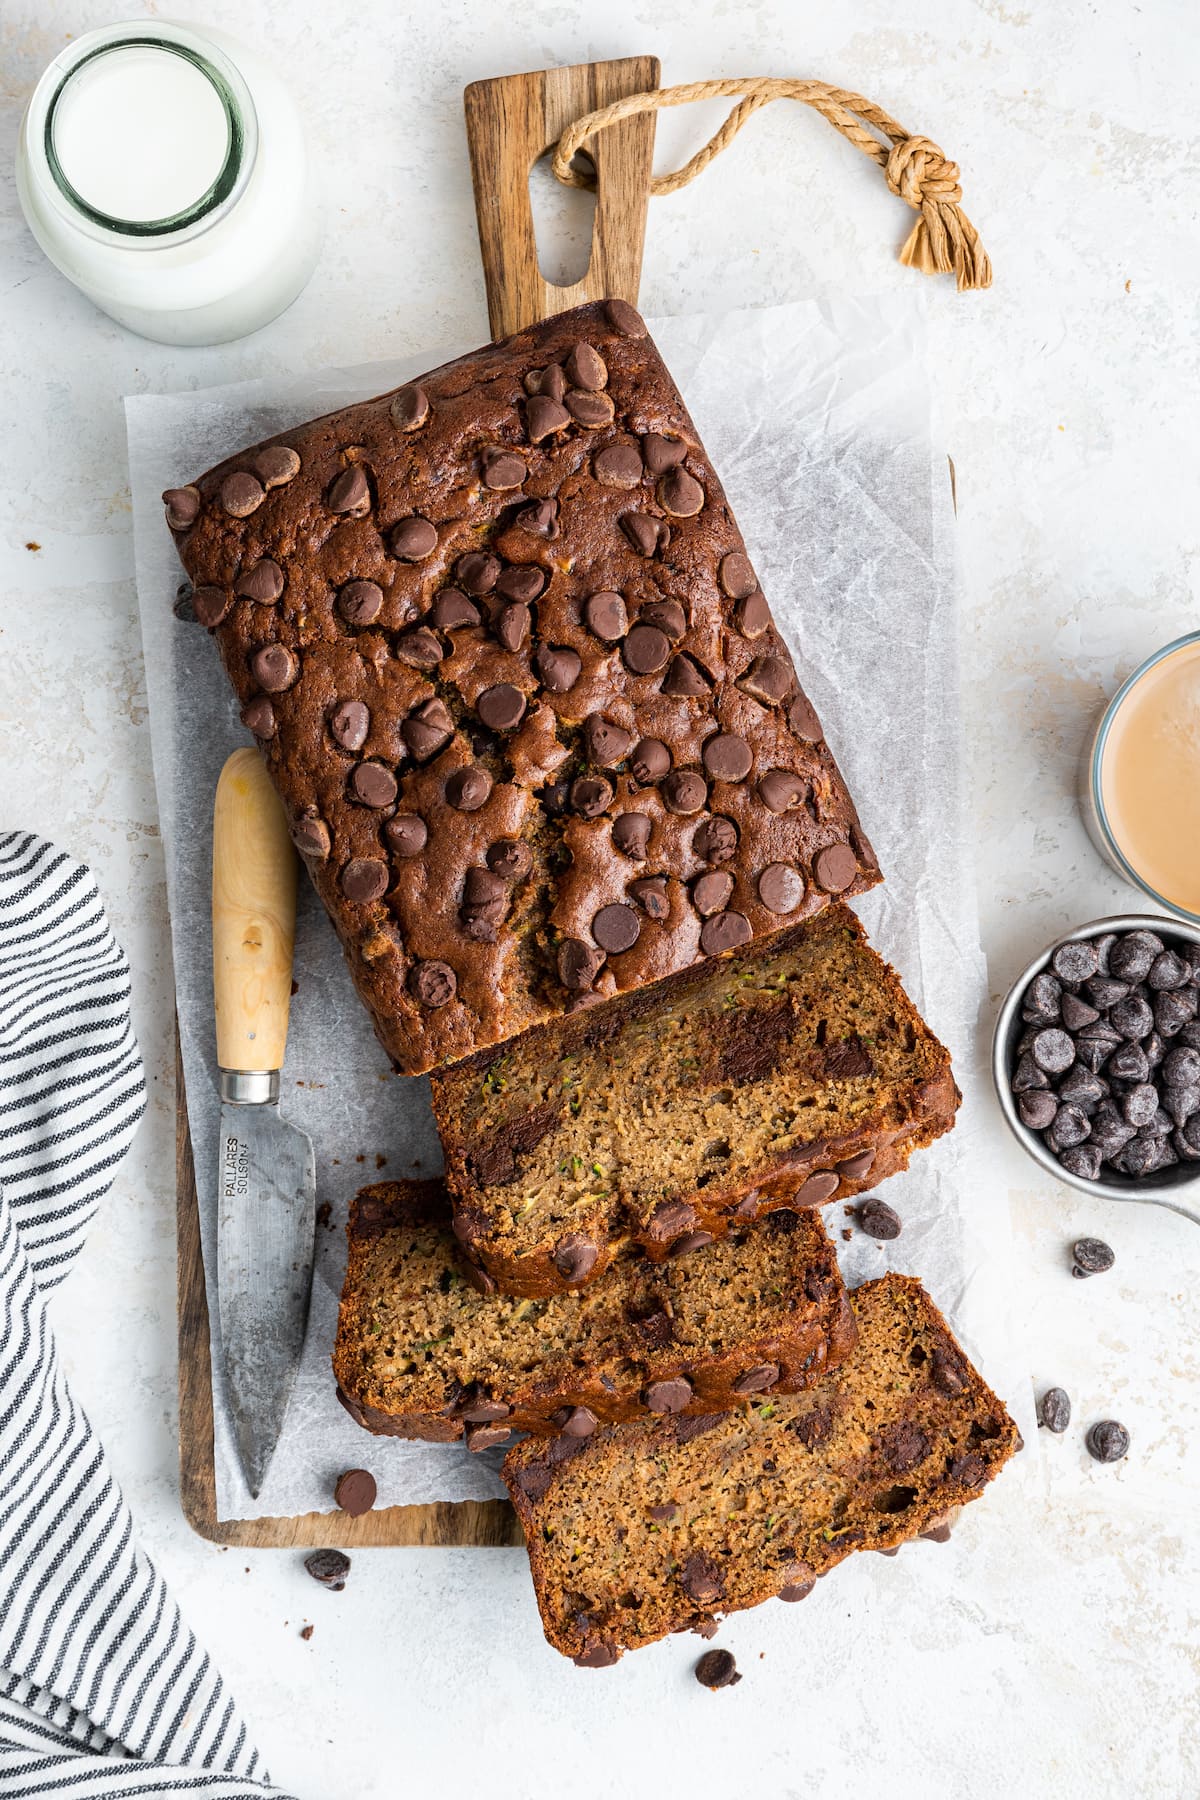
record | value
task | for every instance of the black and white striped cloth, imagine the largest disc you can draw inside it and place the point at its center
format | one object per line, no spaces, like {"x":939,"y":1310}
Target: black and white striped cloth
{"x":103,"y":1689}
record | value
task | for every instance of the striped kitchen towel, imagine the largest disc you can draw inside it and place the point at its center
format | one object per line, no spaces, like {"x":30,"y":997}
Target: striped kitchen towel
{"x":103,"y":1689}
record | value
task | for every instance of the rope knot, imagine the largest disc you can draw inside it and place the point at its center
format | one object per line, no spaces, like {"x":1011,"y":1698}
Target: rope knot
{"x":918,"y":170}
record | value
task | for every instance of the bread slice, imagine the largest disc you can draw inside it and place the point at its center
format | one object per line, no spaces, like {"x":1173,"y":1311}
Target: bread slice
{"x":794,"y":1072}
{"x":651,"y":1528}
{"x":421,"y":1354}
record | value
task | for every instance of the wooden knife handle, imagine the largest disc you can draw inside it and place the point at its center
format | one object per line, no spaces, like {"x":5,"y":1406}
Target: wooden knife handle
{"x":253,"y":916}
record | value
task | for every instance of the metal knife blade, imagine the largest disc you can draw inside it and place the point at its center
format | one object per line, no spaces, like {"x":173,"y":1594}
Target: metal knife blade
{"x":266,"y":1227}
{"x":266,"y":1178}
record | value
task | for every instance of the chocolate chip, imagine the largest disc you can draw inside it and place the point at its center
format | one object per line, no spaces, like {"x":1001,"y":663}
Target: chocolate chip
{"x":605,"y":616}
{"x":241,"y":494}
{"x":1076,"y":1013}
{"x":578,"y":964}
{"x":716,"y":1669}
{"x":585,"y":368}
{"x":409,"y":408}
{"x":1181,"y":1067}
{"x":1070,"y":1127}
{"x":503,"y":470}
{"x":591,"y":795}
{"x":736,"y":575}
{"x":855,"y":1168}
{"x":541,"y":519}
{"x":817,"y":1189}
{"x":524,"y":582}
{"x":330,"y":1568}
{"x":433,"y":983}
{"x":1073,"y":963}
{"x":209,"y":605}
{"x":596,"y":1656}
{"x":420,"y":649}
{"x":879,"y":1220}
{"x":835,"y":867}
{"x":725,"y":931}
{"x":551,"y":381}
{"x":780,"y":888}
{"x":606,"y":744}
{"x":769,"y":679}
{"x":428,"y":729}
{"x":1037,"y":1109}
{"x":509,"y":858}
{"x":758,"y":1379}
{"x":274,"y":668}
{"x":947,"y":1375}
{"x":712,"y":893}
{"x":406,"y":835}
{"x":1056,"y":1410}
{"x":753,"y":617}
{"x":1052,"y":1050}
{"x":1092,"y":1256}
{"x":667,"y":616}
{"x":349,"y":723}
{"x":365,"y":879}
{"x":451,"y":610}
{"x":486,"y":1436}
{"x":311,"y":837}
{"x":544,"y":417}
{"x":350,"y":492}
{"x":258,"y":716}
{"x":1140,"y":1103}
{"x":502,"y":707}
{"x":182,"y":506}
{"x":649,"y":761}
{"x":685,"y":678}
{"x":716,"y":840}
{"x":669,"y":1396}
{"x":413,"y":539}
{"x":618,"y":465}
{"x":574,"y":1256}
{"x":662,"y":453}
{"x":276,"y":465}
{"x":651,"y":896}
{"x":727,"y":757}
{"x":1027,"y":1075}
{"x":576,"y":1421}
{"x":1043,"y":998}
{"x":647,"y":536}
{"x":803,"y":720}
{"x":512,"y":626}
{"x":625,"y":320}
{"x":1104,"y":990}
{"x":684,"y":791}
{"x":780,"y":790}
{"x":799,"y":1585}
{"x":355,"y":1492}
{"x":360,"y":602}
{"x":1107,"y":1441}
{"x":701,"y":1577}
{"x":1172,"y":1011}
{"x":558,"y":668}
{"x":592,"y":411}
{"x":1132,"y":956}
{"x":372,"y":784}
{"x":646,"y":650}
{"x":1167,"y":971}
{"x":468,"y":789}
{"x":669,"y":1219}
{"x":680,"y":494}
{"x":616,"y":928}
{"x":631,"y":835}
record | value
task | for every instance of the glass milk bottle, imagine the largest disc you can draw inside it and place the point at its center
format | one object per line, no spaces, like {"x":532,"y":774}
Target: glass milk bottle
{"x":163,"y":170}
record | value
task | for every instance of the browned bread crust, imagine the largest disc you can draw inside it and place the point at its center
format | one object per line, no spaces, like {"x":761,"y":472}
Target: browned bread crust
{"x":652,"y":1528}
{"x":421,"y":1354}
{"x":536,"y":733}
{"x":794,"y":1073}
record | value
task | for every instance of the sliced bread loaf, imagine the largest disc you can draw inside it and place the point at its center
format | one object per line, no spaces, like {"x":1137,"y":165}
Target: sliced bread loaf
{"x":421,"y":1354}
{"x":651,"y":1528}
{"x":793,"y":1072}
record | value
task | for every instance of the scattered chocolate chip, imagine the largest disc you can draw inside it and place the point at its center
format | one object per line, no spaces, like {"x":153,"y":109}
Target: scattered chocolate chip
{"x":736,"y":576}
{"x":1043,"y":998}
{"x":406,"y":835}
{"x":349,"y":723}
{"x":331,"y":1568}
{"x":355,"y":1492}
{"x":716,"y":1669}
{"x":666,"y":616}
{"x":712,"y":893}
{"x":724,"y":931}
{"x":605,"y":616}
{"x":592,"y":411}
{"x":680,"y":494}
{"x":428,"y":729}
{"x":209,"y":605}
{"x":373,"y":784}
{"x":1181,"y":1067}
{"x":258,"y":716}
{"x":1070,"y":1127}
{"x":835,"y":867}
{"x":241,"y":494}
{"x":274,"y":668}
{"x":574,"y":1256}
{"x":591,"y":795}
{"x":647,"y":536}
{"x":684,"y":791}
{"x":669,"y":1219}
{"x":946,"y":1373}
{"x":578,"y":964}
{"x":669,"y":1396}
{"x":513,"y":625}
{"x":365,"y":879}
{"x":409,"y":408}
{"x":651,"y":896}
{"x":486,"y":1436}
{"x":544,"y":417}
{"x":521,"y":581}
{"x":420,"y":649}
{"x":727,"y":757}
{"x":510,"y":859}
{"x":182,"y":507}
{"x":631,"y":835}
{"x":584,"y":367}
{"x":649,"y":761}
{"x":311,"y":837}
{"x":685,"y":679}
{"x":433,"y":983}
{"x":541,"y":518}
{"x":753,"y":616}
{"x":350,"y":492}
{"x":276,"y":465}
{"x":501,"y":707}
{"x":780,"y":888}
{"x":551,"y":381}
{"x":661,"y":1514}
{"x":1132,"y":1017}
{"x":879,"y":1220}
{"x":1140,"y":1104}
{"x":503,"y":470}
{"x":646,"y":650}
{"x":597,"y":1656}
{"x":1172,"y":1011}
{"x":606,"y":744}
{"x":625,"y":320}
{"x":616,"y":928}
{"x":576,"y":1421}
{"x":757,"y":1380}
{"x":1092,"y":1256}
{"x":413,"y":539}
{"x":1056,"y":1410}
{"x":469,"y":788}
{"x":799,"y":1585}
{"x":816,"y":1189}
{"x":1107,"y":1441}
{"x":558,"y":668}
{"x":451,"y":611}
{"x":716,"y":839}
{"x":702,"y":1579}
{"x":769,"y":679}
{"x":360,"y":602}
{"x":618,"y":465}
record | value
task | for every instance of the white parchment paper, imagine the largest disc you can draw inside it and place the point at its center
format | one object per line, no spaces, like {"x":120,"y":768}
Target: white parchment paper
{"x":816,"y":415}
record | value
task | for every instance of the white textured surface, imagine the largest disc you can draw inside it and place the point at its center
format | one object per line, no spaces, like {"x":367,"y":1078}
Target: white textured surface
{"x":1051,"y":1649}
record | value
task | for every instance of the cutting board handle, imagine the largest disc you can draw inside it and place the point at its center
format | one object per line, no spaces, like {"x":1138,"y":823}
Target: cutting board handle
{"x":511,"y":122}
{"x":253,"y":916}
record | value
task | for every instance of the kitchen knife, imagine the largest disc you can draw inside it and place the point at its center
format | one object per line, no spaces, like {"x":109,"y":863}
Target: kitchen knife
{"x":266,"y":1180}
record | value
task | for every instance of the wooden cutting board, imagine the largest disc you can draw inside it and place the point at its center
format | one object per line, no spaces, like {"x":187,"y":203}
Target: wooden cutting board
{"x":511,"y":122}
